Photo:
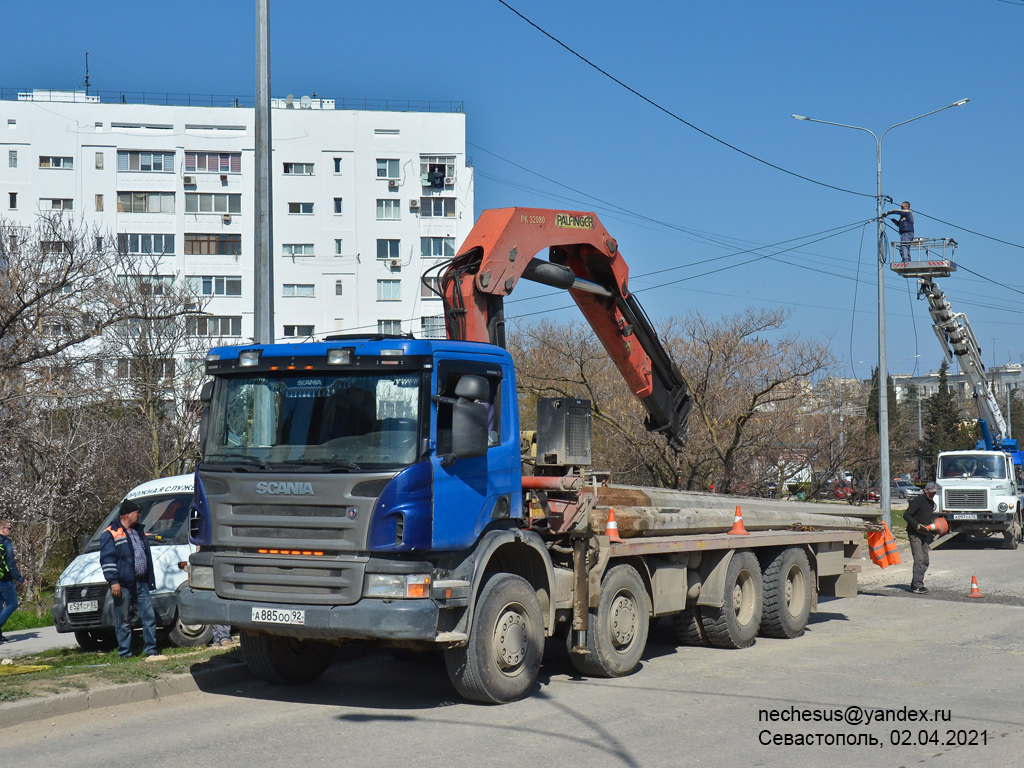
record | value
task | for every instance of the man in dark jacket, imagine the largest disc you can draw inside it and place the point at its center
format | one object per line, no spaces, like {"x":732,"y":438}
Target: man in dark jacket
{"x":128,"y":567}
{"x":8,"y":575}
{"x":919,"y":516}
{"x":905,"y":222}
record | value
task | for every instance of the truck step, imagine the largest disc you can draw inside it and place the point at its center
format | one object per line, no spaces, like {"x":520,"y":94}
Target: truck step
{"x":451,"y":637}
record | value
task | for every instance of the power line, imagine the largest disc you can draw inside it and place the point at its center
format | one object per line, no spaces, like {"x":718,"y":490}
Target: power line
{"x":964,"y":229}
{"x":672,"y":114}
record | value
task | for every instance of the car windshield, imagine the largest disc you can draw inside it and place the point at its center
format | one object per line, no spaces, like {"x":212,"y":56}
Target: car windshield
{"x":164,"y":518}
{"x":977,"y":465}
{"x":314,"y":422}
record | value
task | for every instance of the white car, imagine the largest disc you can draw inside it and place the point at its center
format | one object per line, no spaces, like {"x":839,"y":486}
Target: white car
{"x":82,"y":602}
{"x":902,"y":489}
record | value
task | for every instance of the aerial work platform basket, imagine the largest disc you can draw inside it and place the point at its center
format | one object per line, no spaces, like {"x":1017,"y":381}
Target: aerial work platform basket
{"x":928,"y":257}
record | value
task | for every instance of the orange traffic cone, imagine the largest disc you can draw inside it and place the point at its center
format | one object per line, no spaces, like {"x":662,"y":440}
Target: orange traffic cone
{"x":737,"y":524}
{"x":611,"y":528}
{"x":975,"y":592}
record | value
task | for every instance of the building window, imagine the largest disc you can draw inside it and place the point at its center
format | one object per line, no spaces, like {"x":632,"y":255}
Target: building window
{"x":437,"y":170}
{"x":338,"y":288}
{"x":389,"y":210}
{"x":138,"y":369}
{"x":387,"y":169}
{"x":204,"y":202}
{"x":298,"y":330}
{"x":213,"y":326}
{"x":430,"y":288}
{"x":300,"y":208}
{"x":437,"y":207}
{"x":337,"y":206}
{"x":99,"y":202}
{"x":390,"y":327}
{"x":437,"y":247}
{"x":149,"y":285}
{"x":215,"y":285}
{"x":297,"y":289}
{"x":337,"y":247}
{"x":298,"y":169}
{"x":213,"y":162}
{"x":148,"y":162}
{"x":54,"y":330}
{"x":337,"y":165}
{"x":99,"y":161}
{"x":297,"y":249}
{"x":50,"y":247}
{"x":145,"y":202}
{"x":12,"y":200}
{"x":12,"y":158}
{"x":388,"y":249}
{"x":98,"y":246}
{"x":145,"y":244}
{"x":212,"y":245}
{"x":389,"y":290}
{"x":56,"y":162}
{"x":55,"y":204}
{"x":432,"y":327}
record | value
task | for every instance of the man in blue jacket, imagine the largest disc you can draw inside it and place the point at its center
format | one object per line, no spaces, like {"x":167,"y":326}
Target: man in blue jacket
{"x":8,"y":575}
{"x":128,"y":567}
{"x":905,"y":222}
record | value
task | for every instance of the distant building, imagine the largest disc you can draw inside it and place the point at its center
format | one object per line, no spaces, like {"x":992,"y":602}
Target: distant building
{"x":365,"y":199}
{"x":1004,"y":379}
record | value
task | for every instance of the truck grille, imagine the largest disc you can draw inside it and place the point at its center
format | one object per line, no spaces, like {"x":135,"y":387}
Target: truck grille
{"x":965,"y":498}
{"x":288,"y":526}
{"x":294,"y":580}
{"x":80,"y":592}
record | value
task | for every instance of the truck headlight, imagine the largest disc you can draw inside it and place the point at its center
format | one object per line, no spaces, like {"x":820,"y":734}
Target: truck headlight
{"x":1003,"y":506}
{"x":200,"y":576}
{"x":397,"y":585}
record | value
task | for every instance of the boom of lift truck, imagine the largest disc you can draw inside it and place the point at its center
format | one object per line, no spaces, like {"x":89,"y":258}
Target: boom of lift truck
{"x":980,"y":490}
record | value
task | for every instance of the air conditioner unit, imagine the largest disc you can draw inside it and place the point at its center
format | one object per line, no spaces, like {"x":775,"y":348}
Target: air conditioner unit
{"x":414,"y":204}
{"x":394,"y":263}
{"x":392,"y":183}
{"x":223,"y":177}
{"x":190,"y":179}
{"x":449,"y":180}
{"x":226,"y":218}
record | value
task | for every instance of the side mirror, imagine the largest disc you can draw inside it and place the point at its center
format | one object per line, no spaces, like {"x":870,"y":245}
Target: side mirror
{"x":205,"y":396}
{"x":469,"y":430}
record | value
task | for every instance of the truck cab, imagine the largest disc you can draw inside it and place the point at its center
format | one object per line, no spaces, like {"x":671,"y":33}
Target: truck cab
{"x":979,"y":494}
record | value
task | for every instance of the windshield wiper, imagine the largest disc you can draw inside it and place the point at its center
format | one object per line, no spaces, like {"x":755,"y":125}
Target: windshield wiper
{"x":337,"y":463}
{"x":243,"y":457}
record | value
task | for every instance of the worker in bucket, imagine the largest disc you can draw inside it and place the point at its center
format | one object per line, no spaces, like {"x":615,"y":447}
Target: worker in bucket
{"x":905,"y":222}
{"x":920,"y":516}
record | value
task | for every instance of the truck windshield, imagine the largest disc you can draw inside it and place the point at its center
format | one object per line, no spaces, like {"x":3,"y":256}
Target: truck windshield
{"x":977,"y":465}
{"x":164,"y":518}
{"x":301,"y":421}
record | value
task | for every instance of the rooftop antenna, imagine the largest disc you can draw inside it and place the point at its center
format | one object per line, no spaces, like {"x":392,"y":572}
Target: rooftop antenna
{"x":86,"y":83}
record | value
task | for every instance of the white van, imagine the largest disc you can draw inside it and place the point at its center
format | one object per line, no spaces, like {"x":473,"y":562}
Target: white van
{"x":82,"y":602}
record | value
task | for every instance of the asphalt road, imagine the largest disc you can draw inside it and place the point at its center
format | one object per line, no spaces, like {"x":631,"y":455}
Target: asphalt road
{"x":885,"y":650}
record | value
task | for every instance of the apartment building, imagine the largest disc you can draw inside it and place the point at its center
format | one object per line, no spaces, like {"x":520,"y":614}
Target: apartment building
{"x":364,"y":201}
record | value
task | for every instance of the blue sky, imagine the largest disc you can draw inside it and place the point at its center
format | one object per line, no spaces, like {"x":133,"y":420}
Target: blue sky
{"x":673,"y":198}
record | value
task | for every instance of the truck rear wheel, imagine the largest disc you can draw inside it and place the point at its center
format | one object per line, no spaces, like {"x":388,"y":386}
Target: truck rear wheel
{"x":285,"y":660}
{"x":688,"y":627}
{"x":735,"y":624}
{"x":787,"y":594}
{"x":500,"y":662}
{"x":619,"y":628}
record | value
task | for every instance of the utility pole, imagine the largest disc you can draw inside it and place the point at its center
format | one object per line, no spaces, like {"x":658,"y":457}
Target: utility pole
{"x":263,"y":268}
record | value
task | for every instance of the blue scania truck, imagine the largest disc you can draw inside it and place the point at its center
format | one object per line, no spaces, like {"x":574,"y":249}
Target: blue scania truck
{"x":378,"y":489}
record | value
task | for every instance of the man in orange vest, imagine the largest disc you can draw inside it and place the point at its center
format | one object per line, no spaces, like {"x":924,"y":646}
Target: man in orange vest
{"x":919,"y":516}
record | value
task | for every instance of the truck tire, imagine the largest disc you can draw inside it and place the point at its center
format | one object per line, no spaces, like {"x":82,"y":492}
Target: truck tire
{"x":619,"y":628}
{"x":787,"y":594}
{"x":735,"y":624}
{"x":688,"y":627}
{"x":500,"y":662}
{"x":189,"y":635}
{"x":1010,"y":538}
{"x":285,"y":660}
{"x":95,"y":639}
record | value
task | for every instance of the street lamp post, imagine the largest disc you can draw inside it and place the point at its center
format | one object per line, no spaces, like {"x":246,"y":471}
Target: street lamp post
{"x":885,"y":499}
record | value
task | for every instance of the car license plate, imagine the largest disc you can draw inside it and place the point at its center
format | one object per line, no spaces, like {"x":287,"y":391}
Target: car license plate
{"x":965,"y":517}
{"x":84,"y":607}
{"x":274,"y":616}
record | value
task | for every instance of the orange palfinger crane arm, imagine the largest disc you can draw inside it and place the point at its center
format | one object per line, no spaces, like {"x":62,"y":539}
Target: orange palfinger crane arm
{"x":584,"y":259}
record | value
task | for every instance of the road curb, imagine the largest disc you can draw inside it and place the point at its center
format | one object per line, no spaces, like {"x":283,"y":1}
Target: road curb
{"x":28,"y":710}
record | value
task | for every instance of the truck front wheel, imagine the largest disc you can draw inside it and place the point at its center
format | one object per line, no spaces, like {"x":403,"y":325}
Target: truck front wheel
{"x":1010,"y":539}
{"x":285,"y":660}
{"x":500,"y":662}
{"x":735,"y":624}
{"x":618,"y":630}
{"x":787,"y":594}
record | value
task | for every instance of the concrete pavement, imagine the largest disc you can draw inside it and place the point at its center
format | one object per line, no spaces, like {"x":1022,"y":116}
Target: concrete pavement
{"x":24,"y":642}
